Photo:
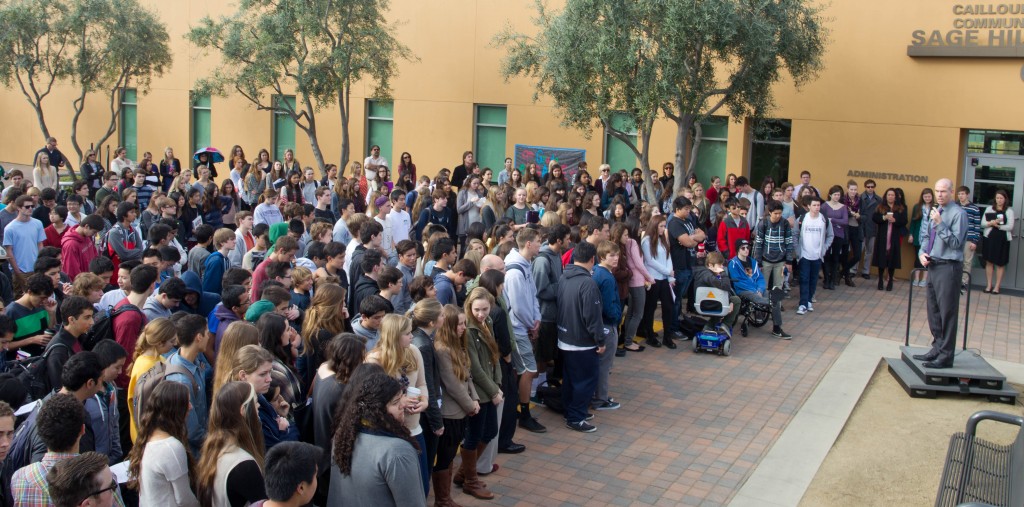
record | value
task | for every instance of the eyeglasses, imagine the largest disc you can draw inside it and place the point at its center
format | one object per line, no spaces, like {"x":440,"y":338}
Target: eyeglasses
{"x":27,"y":206}
{"x":112,"y":487}
{"x":869,"y":186}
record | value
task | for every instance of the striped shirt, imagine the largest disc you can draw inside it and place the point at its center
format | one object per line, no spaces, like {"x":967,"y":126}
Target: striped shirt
{"x":973,"y":222}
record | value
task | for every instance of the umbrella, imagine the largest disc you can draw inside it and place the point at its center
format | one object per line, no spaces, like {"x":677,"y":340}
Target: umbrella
{"x":214,"y":153}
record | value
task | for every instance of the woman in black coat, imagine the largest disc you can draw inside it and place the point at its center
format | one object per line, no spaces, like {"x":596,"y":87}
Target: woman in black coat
{"x":891,"y":218}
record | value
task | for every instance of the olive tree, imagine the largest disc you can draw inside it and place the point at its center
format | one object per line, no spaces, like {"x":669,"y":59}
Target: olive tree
{"x":317,"y":49}
{"x":684,"y":60}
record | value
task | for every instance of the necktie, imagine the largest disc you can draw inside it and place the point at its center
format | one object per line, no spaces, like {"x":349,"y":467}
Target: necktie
{"x":931,"y":233}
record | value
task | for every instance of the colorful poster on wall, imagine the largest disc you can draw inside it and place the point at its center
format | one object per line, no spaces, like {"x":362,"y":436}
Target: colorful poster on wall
{"x":568,"y":158}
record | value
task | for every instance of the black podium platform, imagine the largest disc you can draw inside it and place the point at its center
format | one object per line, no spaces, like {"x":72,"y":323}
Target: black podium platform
{"x":970,"y":374}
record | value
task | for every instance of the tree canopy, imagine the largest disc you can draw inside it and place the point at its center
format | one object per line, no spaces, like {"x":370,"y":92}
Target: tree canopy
{"x":686,"y":60}
{"x":315,"y":49}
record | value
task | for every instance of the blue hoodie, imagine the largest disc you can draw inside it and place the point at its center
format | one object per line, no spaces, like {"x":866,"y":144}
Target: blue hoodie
{"x":213,"y":271}
{"x":611,"y":305}
{"x":207,"y":300}
{"x":445,"y":289}
{"x":743,"y":282}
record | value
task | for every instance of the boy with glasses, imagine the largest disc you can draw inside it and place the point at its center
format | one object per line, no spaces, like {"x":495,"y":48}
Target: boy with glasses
{"x":23,"y":237}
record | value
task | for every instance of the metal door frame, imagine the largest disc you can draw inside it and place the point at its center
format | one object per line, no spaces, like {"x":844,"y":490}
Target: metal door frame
{"x":1014,"y":277}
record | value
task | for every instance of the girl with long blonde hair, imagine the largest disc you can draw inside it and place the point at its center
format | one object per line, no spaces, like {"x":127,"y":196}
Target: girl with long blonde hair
{"x":44,"y":175}
{"x":404,"y":362}
{"x":156,"y":339}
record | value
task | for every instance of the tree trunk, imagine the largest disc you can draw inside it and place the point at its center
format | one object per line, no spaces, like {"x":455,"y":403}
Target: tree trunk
{"x":79,"y":106}
{"x":682,"y":134}
{"x":645,"y":165}
{"x":343,"y":106}
{"x":314,"y":142}
{"x":694,"y":151}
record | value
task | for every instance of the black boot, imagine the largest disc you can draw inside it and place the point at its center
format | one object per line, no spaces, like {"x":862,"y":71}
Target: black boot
{"x":881,"y":282}
{"x":888,"y":285}
{"x":849,"y":279}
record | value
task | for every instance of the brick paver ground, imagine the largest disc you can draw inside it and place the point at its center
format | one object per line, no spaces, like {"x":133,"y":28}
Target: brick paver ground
{"x":692,"y":427}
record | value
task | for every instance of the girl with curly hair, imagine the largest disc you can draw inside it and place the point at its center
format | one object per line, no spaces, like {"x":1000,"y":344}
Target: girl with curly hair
{"x":371,"y":437}
{"x":404,"y":362}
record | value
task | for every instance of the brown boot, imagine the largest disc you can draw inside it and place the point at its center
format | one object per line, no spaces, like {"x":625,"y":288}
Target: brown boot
{"x":457,"y":477}
{"x":443,"y":488}
{"x":472,"y":485}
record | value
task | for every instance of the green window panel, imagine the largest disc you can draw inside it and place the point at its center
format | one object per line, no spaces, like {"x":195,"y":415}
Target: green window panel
{"x":769,"y":151}
{"x":283,"y":130}
{"x":712,"y":150}
{"x":490,"y":138}
{"x":201,"y":118}
{"x":616,"y":152}
{"x":130,"y":122}
{"x":380,"y":129}
{"x":710,"y":161}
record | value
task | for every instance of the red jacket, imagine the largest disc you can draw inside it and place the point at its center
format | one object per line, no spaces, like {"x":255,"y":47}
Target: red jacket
{"x":127,"y":328}
{"x":78,"y":251}
{"x":729,"y":232}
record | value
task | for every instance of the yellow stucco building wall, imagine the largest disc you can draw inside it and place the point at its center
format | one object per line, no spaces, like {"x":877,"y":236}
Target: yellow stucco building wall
{"x":872,"y":108}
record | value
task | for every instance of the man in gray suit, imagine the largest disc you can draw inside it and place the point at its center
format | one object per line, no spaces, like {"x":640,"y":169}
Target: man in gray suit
{"x":943,"y":254}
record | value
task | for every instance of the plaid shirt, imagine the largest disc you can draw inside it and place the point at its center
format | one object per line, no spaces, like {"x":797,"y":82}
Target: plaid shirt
{"x":29,"y":487}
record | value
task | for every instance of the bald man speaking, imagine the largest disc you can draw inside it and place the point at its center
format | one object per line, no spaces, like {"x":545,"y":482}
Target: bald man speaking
{"x":942,"y":253}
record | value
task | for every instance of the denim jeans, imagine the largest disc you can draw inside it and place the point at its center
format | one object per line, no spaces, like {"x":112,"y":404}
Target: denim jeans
{"x":808,"y":279}
{"x":682,"y":287}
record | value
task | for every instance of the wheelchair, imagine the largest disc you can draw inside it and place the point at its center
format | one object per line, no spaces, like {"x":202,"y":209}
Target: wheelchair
{"x":715,"y":337}
{"x":755,"y":314}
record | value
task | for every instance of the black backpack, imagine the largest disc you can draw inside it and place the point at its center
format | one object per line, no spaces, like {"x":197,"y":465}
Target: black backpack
{"x":34,"y":373}
{"x":550,"y":395}
{"x":103,"y":328}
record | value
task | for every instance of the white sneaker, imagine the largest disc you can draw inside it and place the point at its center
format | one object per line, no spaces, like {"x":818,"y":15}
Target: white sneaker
{"x":813,"y":300}
{"x":810,"y":307}
{"x":801,"y":310}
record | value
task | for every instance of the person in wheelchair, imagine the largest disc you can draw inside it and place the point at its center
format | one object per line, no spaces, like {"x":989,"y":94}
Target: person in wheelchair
{"x":715,"y":275}
{"x":750,"y":285}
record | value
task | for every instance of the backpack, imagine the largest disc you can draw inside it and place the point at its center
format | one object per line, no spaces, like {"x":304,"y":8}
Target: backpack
{"x":103,"y":328}
{"x":550,"y":395}
{"x":34,"y":373}
{"x":20,"y":452}
{"x":153,"y":377}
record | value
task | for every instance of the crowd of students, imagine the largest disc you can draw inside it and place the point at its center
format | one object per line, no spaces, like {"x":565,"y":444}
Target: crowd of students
{"x":284,"y":339}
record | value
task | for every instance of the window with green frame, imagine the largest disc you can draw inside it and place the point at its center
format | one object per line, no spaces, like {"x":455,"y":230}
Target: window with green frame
{"x":769,"y":150}
{"x":380,"y":129}
{"x":490,"y":138}
{"x":129,"y":131}
{"x":201,"y":115}
{"x":711,"y":152}
{"x":283,"y":129}
{"x":616,"y":152}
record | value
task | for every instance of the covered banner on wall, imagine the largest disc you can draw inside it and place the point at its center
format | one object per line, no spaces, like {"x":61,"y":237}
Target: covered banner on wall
{"x":568,"y":158}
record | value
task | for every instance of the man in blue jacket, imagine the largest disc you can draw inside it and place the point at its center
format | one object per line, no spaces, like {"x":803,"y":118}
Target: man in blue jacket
{"x":611,"y":315}
{"x":580,"y":336}
{"x":750,"y":285}
{"x":192,"y":338}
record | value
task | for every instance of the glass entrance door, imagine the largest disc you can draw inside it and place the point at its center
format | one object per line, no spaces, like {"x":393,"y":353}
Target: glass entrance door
{"x":984,"y":174}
